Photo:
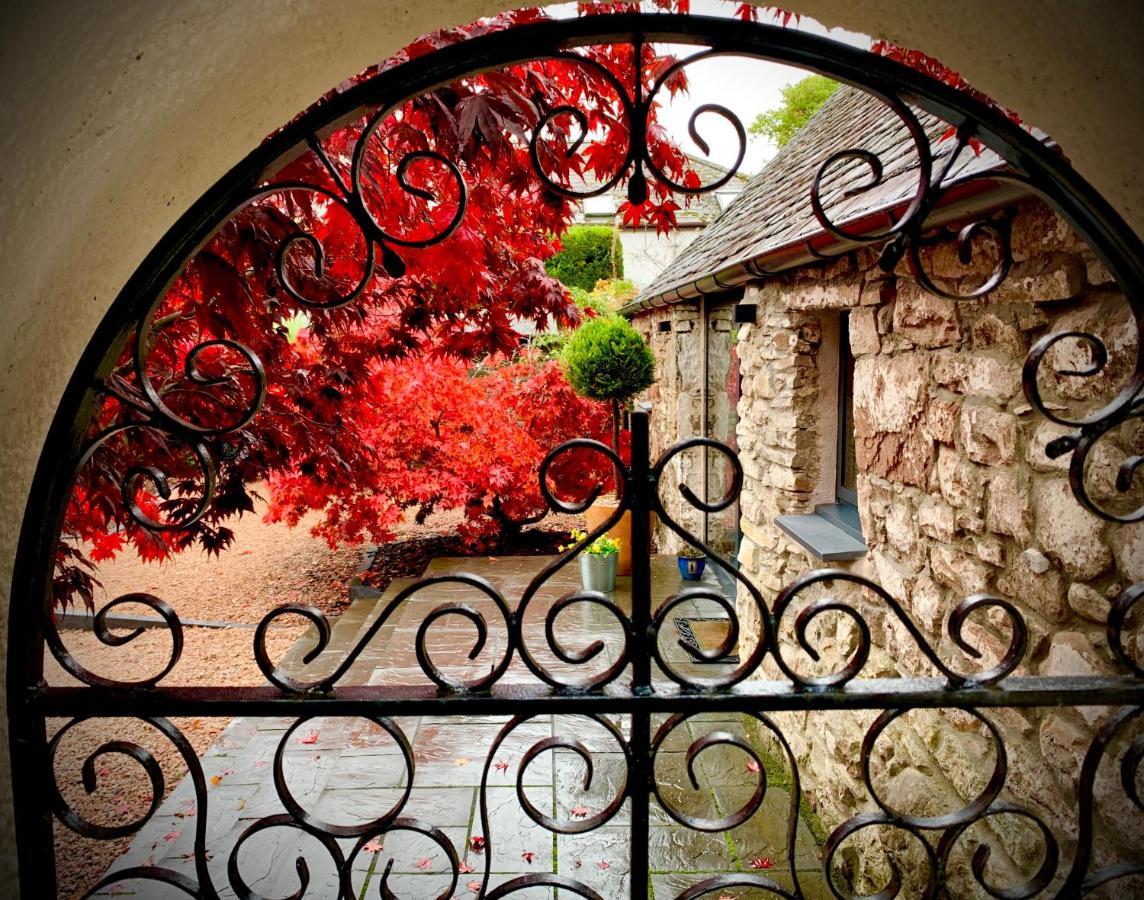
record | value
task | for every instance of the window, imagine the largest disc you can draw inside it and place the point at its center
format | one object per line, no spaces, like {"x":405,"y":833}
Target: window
{"x":846,"y":488}
{"x":833,"y":532}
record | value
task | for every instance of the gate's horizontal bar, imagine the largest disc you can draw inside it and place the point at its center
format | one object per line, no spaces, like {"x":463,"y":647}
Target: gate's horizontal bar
{"x":757,"y":696}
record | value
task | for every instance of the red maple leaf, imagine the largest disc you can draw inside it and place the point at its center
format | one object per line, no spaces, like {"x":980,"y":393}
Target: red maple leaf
{"x":477,"y":843}
{"x":474,"y":886}
{"x":761,"y":862}
{"x":466,"y":867}
{"x":501,"y":766}
{"x":528,"y":856}
{"x":374,"y":409}
{"x":424,"y":863}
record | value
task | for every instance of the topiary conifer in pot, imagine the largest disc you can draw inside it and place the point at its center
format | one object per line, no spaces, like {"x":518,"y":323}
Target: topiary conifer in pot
{"x":607,"y":359}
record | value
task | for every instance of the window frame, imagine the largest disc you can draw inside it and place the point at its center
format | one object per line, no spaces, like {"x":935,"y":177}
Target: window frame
{"x":845,"y":417}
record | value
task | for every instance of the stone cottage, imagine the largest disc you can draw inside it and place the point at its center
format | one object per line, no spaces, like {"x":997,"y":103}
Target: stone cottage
{"x":883,"y":429}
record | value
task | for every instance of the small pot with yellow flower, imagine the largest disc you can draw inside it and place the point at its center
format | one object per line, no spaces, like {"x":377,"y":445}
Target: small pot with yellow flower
{"x":597,"y":561}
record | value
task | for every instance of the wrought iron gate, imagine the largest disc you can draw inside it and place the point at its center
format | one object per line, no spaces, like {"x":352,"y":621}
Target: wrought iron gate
{"x":627,"y":690}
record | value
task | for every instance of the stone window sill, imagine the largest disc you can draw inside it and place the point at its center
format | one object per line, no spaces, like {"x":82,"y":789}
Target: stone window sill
{"x":830,"y":532}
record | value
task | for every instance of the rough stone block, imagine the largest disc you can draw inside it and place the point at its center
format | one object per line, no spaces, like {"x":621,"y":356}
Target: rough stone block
{"x":990,"y":549}
{"x":925,"y":318}
{"x":941,"y":419}
{"x":929,"y":603}
{"x":1069,"y":533}
{"x":960,"y":481}
{"x":824,"y":294}
{"x":1110,"y":319}
{"x":955,"y":568}
{"x":1007,"y":509}
{"x":1063,"y":744}
{"x":864,"y":332}
{"x":1128,"y":546}
{"x":937,"y":519}
{"x":989,"y":436}
{"x":896,"y":580}
{"x":986,"y":374}
{"x":889,"y":392}
{"x":1039,"y":589}
{"x":1035,"y":452}
{"x":1088,"y":603}
{"x":1072,"y":654}
{"x":992,"y":332}
{"x":1096,"y":272}
{"x":905,"y":458}
{"x":1063,"y":280}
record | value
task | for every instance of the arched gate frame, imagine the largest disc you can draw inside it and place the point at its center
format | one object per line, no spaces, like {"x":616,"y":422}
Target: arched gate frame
{"x":628,"y":688}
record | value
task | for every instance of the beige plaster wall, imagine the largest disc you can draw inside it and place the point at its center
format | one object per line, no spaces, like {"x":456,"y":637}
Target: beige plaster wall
{"x":115,"y":117}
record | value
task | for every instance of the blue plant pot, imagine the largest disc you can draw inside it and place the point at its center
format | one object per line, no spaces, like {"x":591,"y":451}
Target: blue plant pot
{"x":691,"y":568}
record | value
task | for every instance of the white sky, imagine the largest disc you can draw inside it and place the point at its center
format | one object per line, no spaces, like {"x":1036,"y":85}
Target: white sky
{"x":745,"y":86}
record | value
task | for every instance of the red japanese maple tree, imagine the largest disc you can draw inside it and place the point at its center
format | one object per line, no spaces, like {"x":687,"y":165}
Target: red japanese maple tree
{"x":370,"y":405}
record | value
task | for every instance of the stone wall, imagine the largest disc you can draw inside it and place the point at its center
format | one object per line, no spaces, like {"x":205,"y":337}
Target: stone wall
{"x":956,"y":497}
{"x":676,"y":398}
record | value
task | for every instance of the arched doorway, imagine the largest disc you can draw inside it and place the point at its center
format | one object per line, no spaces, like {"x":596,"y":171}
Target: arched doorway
{"x":1032,"y":164}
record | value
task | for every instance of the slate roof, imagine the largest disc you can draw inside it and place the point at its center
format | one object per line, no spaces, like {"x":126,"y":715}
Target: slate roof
{"x":699,"y":210}
{"x":774,"y":210}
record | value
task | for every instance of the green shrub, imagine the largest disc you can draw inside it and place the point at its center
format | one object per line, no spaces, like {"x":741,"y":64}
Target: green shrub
{"x":607,"y":359}
{"x":587,"y":257}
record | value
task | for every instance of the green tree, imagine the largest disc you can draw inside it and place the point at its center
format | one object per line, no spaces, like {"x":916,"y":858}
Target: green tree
{"x":589,"y":254}
{"x":607,"y":359}
{"x":801,"y":100}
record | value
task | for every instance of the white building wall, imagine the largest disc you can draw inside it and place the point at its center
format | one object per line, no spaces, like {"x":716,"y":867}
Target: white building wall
{"x":646,"y":253}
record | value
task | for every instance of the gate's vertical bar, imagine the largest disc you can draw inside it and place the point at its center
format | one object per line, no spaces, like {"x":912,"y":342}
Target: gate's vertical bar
{"x":640,"y":488}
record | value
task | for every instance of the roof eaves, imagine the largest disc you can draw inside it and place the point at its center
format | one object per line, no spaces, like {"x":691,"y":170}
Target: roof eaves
{"x":975,"y":197}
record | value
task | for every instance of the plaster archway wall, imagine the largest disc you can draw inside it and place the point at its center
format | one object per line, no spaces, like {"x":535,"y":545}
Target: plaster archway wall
{"x":116,"y":117}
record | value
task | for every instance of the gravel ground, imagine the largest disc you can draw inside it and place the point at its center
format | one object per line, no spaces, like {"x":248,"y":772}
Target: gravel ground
{"x":267,"y":566}
{"x":123,"y":790}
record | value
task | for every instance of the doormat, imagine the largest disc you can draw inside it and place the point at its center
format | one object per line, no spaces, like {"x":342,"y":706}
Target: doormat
{"x":705,"y":634}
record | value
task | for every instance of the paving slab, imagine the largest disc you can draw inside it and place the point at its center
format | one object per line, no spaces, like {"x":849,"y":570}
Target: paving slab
{"x":347,"y":771}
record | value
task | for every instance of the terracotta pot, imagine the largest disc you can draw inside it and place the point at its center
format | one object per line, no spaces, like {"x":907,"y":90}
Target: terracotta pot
{"x":598,"y":513}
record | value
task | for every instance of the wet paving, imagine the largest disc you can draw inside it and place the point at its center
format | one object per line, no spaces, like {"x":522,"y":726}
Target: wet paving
{"x":347,"y":772}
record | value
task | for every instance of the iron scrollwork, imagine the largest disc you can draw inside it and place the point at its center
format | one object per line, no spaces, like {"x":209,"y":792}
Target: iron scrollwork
{"x":641,"y":679}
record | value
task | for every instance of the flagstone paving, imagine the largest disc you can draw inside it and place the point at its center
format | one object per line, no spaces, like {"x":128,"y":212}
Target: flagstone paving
{"x":347,"y":772}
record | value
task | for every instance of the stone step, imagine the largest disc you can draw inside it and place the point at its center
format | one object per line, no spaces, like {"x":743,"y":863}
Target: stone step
{"x":343,"y":632}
